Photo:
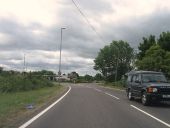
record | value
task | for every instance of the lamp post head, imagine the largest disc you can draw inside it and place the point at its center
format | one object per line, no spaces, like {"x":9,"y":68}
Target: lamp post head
{"x":63,"y":28}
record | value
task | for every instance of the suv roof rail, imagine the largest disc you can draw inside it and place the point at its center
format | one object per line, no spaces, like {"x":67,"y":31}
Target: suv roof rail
{"x":141,"y":71}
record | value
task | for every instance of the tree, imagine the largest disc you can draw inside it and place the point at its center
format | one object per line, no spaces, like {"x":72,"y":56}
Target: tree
{"x":88,"y":78}
{"x":164,"y":40}
{"x":114,"y":59}
{"x":155,"y":55}
{"x":102,"y":59}
{"x":98,"y":77}
{"x":145,"y":45}
{"x":153,"y":60}
{"x":1,"y":69}
{"x":166,"y":66}
{"x":45,"y":72}
{"x":42,"y":72}
{"x":73,"y":75}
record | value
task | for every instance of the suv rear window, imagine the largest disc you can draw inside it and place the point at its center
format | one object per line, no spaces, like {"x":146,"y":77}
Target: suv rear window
{"x":153,"y":78}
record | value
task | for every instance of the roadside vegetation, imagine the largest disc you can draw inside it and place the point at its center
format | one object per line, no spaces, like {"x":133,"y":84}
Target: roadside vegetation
{"x":23,"y":93}
{"x":12,"y":81}
{"x":116,"y":85}
{"x":14,"y":107}
{"x":154,"y":54}
{"x":118,"y":58}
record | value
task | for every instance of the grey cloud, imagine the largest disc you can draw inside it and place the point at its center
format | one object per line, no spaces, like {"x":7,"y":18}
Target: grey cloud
{"x":78,"y":38}
{"x":95,"y":6}
{"x":9,"y":55}
{"x":133,"y":30}
{"x":22,"y":38}
{"x":65,"y":68}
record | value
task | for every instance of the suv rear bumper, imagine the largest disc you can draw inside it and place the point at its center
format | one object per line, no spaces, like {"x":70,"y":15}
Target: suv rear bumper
{"x":158,"y":97}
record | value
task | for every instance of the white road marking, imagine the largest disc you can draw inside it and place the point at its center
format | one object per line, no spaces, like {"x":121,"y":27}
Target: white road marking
{"x":113,"y":88}
{"x":112,"y":95}
{"x":88,"y":87}
{"x":98,"y":90}
{"x":107,"y":93}
{"x":168,"y":125}
{"x":41,"y":113}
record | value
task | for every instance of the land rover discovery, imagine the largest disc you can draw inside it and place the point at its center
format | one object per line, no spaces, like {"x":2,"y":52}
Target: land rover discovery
{"x":148,"y":86}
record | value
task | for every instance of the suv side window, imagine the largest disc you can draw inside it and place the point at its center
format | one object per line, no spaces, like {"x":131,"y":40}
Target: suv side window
{"x":129,"y":78}
{"x":133,"y":78}
{"x":138,"y":77}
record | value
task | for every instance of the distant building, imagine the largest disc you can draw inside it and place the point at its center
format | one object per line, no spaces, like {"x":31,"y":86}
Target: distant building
{"x":62,"y":78}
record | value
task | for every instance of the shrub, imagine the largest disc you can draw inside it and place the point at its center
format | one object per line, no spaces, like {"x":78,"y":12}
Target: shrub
{"x":16,"y":83}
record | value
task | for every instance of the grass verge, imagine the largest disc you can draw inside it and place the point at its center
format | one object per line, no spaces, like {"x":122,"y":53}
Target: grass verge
{"x":13,"y":105}
{"x":114,"y":85}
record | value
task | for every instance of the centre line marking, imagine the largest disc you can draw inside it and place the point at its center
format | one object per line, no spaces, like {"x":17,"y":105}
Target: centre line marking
{"x":168,"y":125}
{"x":44,"y":111}
{"x":112,"y":95}
{"x":98,"y":90}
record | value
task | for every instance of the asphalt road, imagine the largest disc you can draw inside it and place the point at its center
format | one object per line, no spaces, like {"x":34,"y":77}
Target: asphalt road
{"x":92,"y":106}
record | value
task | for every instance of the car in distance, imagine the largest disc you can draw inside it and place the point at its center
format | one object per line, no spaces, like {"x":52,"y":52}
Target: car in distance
{"x":148,"y":86}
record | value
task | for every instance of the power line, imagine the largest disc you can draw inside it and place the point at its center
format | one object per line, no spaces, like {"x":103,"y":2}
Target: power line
{"x":87,"y":20}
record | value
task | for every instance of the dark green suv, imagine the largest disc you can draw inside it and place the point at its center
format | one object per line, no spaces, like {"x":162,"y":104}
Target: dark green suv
{"x":148,"y":86}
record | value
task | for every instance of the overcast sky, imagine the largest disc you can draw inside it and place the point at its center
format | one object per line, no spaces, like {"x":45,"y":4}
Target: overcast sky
{"x":32,"y":27}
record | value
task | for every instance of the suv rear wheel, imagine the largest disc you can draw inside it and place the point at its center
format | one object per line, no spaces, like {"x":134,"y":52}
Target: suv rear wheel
{"x":145,"y":99}
{"x":130,"y":95}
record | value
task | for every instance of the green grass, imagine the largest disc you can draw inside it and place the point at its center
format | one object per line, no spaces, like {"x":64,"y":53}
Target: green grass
{"x":13,"y":105}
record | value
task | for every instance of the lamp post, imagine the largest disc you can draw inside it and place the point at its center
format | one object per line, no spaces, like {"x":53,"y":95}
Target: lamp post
{"x":59,"y":72}
{"x":24,"y":68}
{"x":24,"y":62}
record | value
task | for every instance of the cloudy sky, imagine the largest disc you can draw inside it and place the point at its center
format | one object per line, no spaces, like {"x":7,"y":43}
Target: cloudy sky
{"x":32,"y":27}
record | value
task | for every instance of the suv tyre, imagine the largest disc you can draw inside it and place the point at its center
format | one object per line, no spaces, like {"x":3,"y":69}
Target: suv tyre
{"x":130,"y":95}
{"x":145,"y":99}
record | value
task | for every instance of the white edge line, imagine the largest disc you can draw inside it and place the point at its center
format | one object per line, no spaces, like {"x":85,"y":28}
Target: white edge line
{"x":45,"y":110}
{"x":168,"y":125}
{"x":112,"y":95}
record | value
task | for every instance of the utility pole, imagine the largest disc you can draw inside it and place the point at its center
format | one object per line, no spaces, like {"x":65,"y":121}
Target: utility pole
{"x":59,"y":72}
{"x":24,"y":65}
{"x":117,"y":47}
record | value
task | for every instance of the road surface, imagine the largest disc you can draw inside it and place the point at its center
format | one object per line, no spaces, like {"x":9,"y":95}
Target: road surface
{"x":92,"y":106}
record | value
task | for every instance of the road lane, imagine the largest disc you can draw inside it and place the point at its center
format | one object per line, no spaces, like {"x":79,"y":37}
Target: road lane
{"x":157,"y":119}
{"x":85,"y":107}
{"x":161,"y":110}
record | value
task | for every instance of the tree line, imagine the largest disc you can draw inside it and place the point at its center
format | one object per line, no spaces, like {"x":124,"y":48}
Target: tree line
{"x":118,"y":58}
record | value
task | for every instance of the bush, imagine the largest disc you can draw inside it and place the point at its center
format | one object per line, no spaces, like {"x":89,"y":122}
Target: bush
{"x":119,"y":83}
{"x":16,"y":83}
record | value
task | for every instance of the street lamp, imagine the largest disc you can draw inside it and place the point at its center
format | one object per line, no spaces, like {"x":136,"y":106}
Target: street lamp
{"x":59,"y":72}
{"x":25,"y":66}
